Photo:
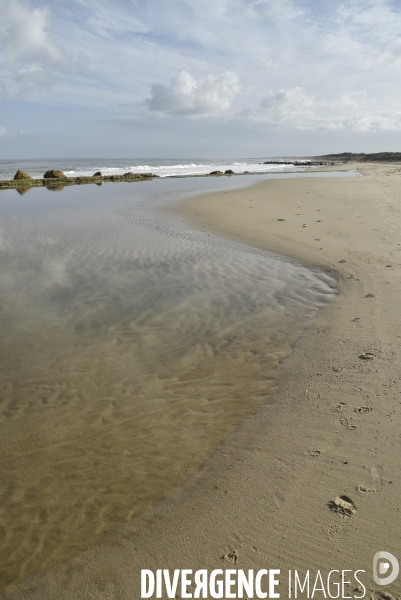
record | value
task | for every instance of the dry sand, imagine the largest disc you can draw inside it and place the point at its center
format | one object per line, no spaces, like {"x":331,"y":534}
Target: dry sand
{"x":263,"y":499}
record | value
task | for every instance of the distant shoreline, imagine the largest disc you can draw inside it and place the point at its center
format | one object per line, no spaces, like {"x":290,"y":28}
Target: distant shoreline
{"x":384,"y":157}
{"x":61,"y":182}
{"x":84,"y":171}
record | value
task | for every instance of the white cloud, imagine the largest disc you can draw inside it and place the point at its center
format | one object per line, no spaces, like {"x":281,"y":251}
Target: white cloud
{"x":27,"y":43}
{"x":283,"y":10}
{"x":362,"y":122}
{"x":25,"y":35}
{"x":302,"y":65}
{"x":287,"y":105}
{"x":3,"y":130}
{"x":367,"y":32}
{"x":189,"y":96}
{"x":109,"y":20}
{"x":351,"y":111}
{"x":351,"y":100}
{"x":33,"y":77}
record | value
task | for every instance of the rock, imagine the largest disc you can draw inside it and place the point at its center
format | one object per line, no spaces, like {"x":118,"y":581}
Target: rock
{"x":129,"y":174}
{"x":20,"y":175}
{"x":54,"y":175}
{"x":229,"y":172}
{"x":216,"y":173}
{"x":97,"y":174}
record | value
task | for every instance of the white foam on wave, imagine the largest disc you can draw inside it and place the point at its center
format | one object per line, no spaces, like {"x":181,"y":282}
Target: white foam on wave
{"x":159,"y":166}
{"x":190,"y":169}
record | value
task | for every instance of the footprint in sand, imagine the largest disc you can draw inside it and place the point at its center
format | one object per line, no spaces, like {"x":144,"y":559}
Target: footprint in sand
{"x":343,"y":505}
{"x":381,"y":595}
{"x":230,"y":557}
{"x":313,"y":453}
{"x":367,"y":356}
{"x":333,"y":530}
{"x":347,"y":423}
{"x":344,"y":420}
{"x":376,"y":473}
{"x":363,"y":409}
{"x":366,"y":489}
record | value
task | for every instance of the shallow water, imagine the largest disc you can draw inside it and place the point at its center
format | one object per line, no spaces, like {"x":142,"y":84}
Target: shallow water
{"x":132,"y":346}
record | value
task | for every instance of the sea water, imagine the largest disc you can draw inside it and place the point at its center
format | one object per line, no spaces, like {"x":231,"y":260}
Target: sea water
{"x":132,"y":345}
{"x":177,"y":167}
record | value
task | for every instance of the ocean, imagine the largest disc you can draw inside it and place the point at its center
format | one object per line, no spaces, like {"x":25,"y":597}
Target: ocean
{"x":175,"y":167}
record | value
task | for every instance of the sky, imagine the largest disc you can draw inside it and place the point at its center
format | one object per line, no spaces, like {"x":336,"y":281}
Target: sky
{"x":198,"y":78}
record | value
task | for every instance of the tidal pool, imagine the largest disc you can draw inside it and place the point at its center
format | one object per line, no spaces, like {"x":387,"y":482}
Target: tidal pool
{"x":131,"y":347}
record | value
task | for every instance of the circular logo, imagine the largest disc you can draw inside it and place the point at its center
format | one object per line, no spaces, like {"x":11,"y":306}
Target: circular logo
{"x":385,"y":568}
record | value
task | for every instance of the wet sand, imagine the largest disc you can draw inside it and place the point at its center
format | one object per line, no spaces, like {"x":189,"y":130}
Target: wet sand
{"x":265,"y":498}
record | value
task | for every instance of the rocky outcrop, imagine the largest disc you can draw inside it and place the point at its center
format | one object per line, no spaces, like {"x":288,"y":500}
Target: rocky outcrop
{"x":297,"y":163}
{"x":52,"y":174}
{"x":216,"y":173}
{"x":97,"y":174}
{"x":229,"y":172}
{"x":52,"y":179}
{"x":20,"y":176}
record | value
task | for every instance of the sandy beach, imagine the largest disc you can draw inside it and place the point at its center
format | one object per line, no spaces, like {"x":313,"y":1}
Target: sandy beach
{"x":312,"y":481}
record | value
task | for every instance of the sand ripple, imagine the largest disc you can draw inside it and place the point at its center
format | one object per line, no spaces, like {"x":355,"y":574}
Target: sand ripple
{"x":132,"y":346}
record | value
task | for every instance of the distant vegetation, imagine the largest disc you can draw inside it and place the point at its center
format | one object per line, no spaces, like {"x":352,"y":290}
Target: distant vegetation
{"x":362,"y":157}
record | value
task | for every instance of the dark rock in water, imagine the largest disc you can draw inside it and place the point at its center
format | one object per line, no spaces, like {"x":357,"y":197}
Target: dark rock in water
{"x":54,"y":175}
{"x":20,"y":175}
{"x":229,"y":172}
{"x":216,"y":173}
{"x":97,"y":174}
{"x":128,"y":174}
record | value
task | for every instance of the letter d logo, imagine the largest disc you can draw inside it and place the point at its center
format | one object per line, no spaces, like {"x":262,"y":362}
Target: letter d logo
{"x":381,"y":565}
